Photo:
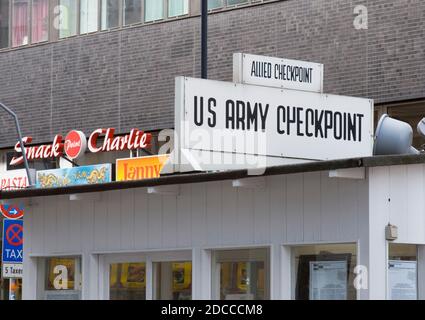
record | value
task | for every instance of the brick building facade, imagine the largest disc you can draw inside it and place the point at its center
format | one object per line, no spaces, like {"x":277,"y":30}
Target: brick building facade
{"x":124,"y":78}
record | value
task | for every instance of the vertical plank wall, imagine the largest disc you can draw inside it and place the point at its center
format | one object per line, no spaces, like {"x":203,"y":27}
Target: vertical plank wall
{"x":295,"y":208}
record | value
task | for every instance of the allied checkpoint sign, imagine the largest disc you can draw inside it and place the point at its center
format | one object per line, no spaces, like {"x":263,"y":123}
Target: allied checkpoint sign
{"x":12,"y":252}
{"x":223,"y":117}
{"x":278,"y":72}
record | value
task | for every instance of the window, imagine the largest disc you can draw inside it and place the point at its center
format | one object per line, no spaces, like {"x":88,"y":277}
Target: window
{"x":67,"y":18}
{"x":241,"y":274}
{"x":324,"y":272}
{"x":154,"y":10}
{"x":172,"y":280}
{"x":20,"y":22}
{"x":127,"y":281}
{"x":89,"y":12}
{"x":178,"y":7}
{"x":402,"y":272}
{"x":132,"y":11}
{"x":110,"y":14}
{"x":236,"y":2}
{"x":40,"y":21}
{"x":214,"y":4}
{"x":62,"y":278}
{"x":4,"y":24}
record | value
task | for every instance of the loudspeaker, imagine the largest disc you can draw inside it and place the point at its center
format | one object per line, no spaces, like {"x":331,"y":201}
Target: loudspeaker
{"x":393,"y":137}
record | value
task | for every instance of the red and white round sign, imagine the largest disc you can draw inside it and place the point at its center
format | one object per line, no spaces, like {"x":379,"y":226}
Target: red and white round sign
{"x":75,"y":144}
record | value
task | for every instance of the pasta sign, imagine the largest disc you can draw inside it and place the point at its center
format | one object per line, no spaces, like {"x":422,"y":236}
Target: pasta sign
{"x":75,"y":144}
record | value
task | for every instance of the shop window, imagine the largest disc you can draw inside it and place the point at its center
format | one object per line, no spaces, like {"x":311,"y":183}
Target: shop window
{"x":154,"y":10}
{"x":67,"y":23}
{"x":110,"y":14}
{"x":172,"y":280}
{"x":89,"y":11}
{"x":178,"y":7}
{"x":4,"y":24}
{"x":324,"y":272}
{"x":132,"y":11}
{"x":411,"y":113}
{"x":63,"y":278}
{"x":40,"y":21}
{"x":241,"y":274}
{"x":20,"y":22}
{"x":127,"y":281}
{"x":402,"y":272}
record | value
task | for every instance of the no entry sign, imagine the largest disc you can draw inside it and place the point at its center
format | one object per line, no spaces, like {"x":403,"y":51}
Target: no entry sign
{"x":13,"y":240}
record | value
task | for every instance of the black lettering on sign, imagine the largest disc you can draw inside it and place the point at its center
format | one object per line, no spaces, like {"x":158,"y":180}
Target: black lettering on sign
{"x":198,"y":111}
{"x":281,"y":119}
{"x":240,"y":111}
{"x":299,"y":122}
{"x":230,"y":114}
{"x":212,"y":119}
{"x":309,"y":120}
{"x":252,"y":116}
{"x":263,"y":115}
{"x":261,"y":69}
{"x":325,"y":124}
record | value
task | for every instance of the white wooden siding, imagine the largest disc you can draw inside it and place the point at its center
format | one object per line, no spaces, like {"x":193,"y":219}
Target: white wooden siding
{"x":292,"y":208}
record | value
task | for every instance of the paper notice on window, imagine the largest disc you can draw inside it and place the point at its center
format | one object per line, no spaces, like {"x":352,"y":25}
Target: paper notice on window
{"x":328,"y":280}
{"x":402,"y":282}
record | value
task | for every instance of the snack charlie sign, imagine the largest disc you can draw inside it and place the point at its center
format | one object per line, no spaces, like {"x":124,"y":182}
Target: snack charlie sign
{"x":276,"y":72}
{"x":283,"y":123}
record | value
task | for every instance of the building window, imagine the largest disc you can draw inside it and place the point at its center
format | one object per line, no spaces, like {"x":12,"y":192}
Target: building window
{"x":68,"y":12}
{"x":127,"y":281}
{"x":110,"y":14}
{"x":154,"y":10}
{"x":89,"y":12}
{"x":172,"y":280}
{"x":20,"y":23}
{"x":236,"y":2}
{"x":63,"y":278}
{"x":324,"y":272}
{"x":241,"y":274}
{"x":215,"y":4}
{"x":178,"y":7}
{"x":402,"y":272}
{"x":4,"y":24}
{"x":40,"y":21}
{"x":132,"y":12}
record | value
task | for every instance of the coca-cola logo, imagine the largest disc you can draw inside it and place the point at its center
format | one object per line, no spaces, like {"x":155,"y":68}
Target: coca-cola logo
{"x":75,"y":144}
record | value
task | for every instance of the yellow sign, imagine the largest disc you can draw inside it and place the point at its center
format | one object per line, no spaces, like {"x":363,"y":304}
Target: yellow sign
{"x":140,"y":168}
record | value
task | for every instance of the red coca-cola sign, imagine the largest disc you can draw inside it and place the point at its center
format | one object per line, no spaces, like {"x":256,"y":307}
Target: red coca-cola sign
{"x":75,"y":144}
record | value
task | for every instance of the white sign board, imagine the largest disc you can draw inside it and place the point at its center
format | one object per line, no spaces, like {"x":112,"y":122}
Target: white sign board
{"x":12,"y":270}
{"x":276,"y":72}
{"x":15,"y":179}
{"x":402,"y":280}
{"x":328,"y":280}
{"x":234,"y":118}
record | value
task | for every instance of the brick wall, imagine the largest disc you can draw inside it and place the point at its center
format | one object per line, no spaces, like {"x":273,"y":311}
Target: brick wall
{"x":125,"y":78}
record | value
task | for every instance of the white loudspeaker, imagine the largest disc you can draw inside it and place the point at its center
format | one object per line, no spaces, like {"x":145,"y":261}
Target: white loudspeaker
{"x":393,"y":137}
{"x":421,"y":127}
